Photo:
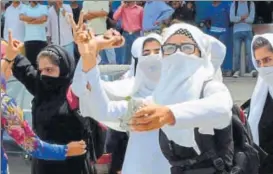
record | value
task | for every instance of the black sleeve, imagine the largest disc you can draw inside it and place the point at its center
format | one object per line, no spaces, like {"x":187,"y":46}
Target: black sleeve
{"x":25,"y":73}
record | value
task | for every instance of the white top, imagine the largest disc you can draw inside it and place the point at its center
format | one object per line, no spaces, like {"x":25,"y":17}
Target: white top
{"x":64,"y":32}
{"x":143,"y":155}
{"x":35,"y":32}
{"x":13,"y":22}
{"x":98,"y":24}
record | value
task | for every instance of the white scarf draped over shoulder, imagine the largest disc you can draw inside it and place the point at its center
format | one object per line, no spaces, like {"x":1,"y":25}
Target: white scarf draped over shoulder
{"x":260,"y":93}
{"x":217,"y":54}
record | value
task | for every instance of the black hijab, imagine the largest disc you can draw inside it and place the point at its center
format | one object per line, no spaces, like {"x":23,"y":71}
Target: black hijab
{"x":50,"y":99}
{"x":55,"y":85}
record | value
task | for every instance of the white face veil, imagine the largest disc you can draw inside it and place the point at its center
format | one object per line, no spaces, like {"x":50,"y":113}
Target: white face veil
{"x":263,"y":86}
{"x":148,"y":70}
{"x":182,"y":79}
{"x":139,"y":85}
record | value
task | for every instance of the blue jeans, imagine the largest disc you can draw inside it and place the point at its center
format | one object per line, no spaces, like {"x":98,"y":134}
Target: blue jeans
{"x":119,"y":55}
{"x":69,"y":48}
{"x":238,"y":39}
{"x":108,"y":56}
{"x":129,"y":39}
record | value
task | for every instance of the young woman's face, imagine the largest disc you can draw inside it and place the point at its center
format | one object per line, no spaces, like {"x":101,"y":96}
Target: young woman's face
{"x":264,"y":57}
{"x":47,"y":68}
{"x":151,"y":48}
{"x":179,"y":42}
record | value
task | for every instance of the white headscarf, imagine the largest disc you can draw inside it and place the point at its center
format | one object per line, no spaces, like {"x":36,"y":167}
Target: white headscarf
{"x":136,"y":51}
{"x":143,"y":84}
{"x":263,"y":86}
{"x":218,"y":53}
{"x":182,"y":79}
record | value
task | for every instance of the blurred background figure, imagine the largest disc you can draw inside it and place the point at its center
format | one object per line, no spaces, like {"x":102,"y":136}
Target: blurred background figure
{"x":154,"y":15}
{"x":12,"y":21}
{"x":96,"y":17}
{"x":217,"y":24}
{"x":76,"y":8}
{"x":242,"y":15}
{"x":141,"y":3}
{"x":184,"y":11}
{"x":34,"y":15}
{"x":131,"y":16}
{"x":59,"y":29}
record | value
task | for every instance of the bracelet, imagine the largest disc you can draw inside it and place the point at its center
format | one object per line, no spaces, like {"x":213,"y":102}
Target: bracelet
{"x":7,"y":60}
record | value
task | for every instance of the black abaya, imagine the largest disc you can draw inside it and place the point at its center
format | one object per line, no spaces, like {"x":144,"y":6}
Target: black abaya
{"x":266,"y":136}
{"x":53,"y":121}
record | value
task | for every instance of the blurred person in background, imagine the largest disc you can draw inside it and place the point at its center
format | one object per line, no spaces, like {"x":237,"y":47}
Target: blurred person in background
{"x":114,"y":5}
{"x":141,"y":3}
{"x":217,"y":24}
{"x":184,"y":11}
{"x":242,"y":15}
{"x":13,"y":22}
{"x":264,"y":11}
{"x":96,"y":16}
{"x":59,"y":28}
{"x":154,"y":15}
{"x":76,"y":8}
{"x":34,"y":15}
{"x":131,"y":16}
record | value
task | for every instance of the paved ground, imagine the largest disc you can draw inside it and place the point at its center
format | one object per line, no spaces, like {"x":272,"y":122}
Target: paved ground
{"x":240,"y":88}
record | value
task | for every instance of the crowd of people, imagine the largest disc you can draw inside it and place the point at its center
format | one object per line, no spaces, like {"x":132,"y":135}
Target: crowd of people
{"x":132,"y":20}
{"x":172,"y":110}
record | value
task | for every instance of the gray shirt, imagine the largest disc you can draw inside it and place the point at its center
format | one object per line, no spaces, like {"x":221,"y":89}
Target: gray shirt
{"x":241,"y":11}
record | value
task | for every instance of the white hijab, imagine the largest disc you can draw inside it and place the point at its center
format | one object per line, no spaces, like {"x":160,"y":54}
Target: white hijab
{"x":142,"y":84}
{"x":218,"y":53}
{"x":136,"y":51}
{"x":182,"y":79}
{"x":263,"y":86}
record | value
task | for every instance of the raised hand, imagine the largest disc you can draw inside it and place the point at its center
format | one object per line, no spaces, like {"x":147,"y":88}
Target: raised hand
{"x":83,"y":38}
{"x":13,"y":48}
{"x":110,"y":39}
{"x":76,"y":148}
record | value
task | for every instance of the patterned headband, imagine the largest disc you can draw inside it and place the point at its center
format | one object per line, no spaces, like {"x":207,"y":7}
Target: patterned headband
{"x":185,"y":32}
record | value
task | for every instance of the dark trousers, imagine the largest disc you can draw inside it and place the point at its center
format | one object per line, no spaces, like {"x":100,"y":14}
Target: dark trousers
{"x":116,"y":143}
{"x":33,"y":48}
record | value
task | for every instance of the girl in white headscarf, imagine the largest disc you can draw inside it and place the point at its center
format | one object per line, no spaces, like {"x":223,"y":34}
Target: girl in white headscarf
{"x":185,"y":97}
{"x":146,"y":50}
{"x":143,"y":154}
{"x":261,"y":107}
